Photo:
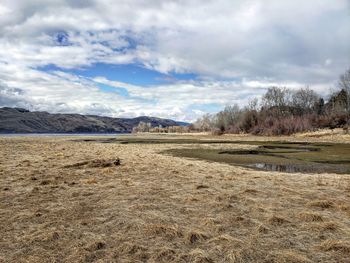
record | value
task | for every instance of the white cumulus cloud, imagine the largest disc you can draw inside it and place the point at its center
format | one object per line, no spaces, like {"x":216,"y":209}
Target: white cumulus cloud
{"x":235,"y":48}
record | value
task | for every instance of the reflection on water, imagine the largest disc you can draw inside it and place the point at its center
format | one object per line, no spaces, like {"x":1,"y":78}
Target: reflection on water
{"x":289,"y":168}
{"x":270,"y":149}
{"x":58,"y":134}
{"x":301,"y":148}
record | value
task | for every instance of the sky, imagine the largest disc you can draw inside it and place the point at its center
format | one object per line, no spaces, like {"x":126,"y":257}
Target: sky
{"x":170,"y":59}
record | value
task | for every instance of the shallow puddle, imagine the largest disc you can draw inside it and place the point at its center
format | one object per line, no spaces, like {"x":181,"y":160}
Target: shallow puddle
{"x":279,"y":157}
{"x":288,"y":168}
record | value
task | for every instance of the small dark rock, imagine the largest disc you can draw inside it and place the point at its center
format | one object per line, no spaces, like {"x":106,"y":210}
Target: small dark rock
{"x":202,"y":186}
{"x":44,"y":182}
{"x":117,"y":162}
{"x":100,"y":245}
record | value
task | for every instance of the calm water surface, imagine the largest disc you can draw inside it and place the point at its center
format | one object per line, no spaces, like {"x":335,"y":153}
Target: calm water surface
{"x":60,"y":134}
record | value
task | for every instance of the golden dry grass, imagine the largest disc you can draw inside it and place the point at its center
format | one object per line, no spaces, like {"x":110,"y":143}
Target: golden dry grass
{"x":321,"y":204}
{"x":336,"y":245}
{"x":310,"y":217}
{"x":63,"y":201}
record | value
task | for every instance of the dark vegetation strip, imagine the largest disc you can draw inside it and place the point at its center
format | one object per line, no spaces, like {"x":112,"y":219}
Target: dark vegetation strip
{"x":283,"y":111}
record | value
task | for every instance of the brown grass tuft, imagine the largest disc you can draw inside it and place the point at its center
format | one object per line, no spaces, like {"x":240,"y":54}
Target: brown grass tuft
{"x":131,"y":249}
{"x":250,"y":191}
{"x":321,"y":204}
{"x":343,"y":207}
{"x":277,"y":220}
{"x":287,"y":256}
{"x":335,"y":245}
{"x":199,"y":256}
{"x":164,"y":254}
{"x":233,"y":256}
{"x":169,"y":231}
{"x":195,"y":236}
{"x":98,"y":245}
{"x":90,"y":181}
{"x":233,"y":198}
{"x":310,"y":217}
{"x":330,"y":226}
{"x":325,"y":226}
{"x":262,"y":228}
{"x":209,"y":221}
{"x":226,"y":238}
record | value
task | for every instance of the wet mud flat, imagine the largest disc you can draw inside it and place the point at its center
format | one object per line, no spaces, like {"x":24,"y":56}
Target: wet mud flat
{"x":279,"y":156}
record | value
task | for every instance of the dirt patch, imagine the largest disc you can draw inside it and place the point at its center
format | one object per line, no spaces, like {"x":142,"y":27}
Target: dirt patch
{"x":98,"y":163}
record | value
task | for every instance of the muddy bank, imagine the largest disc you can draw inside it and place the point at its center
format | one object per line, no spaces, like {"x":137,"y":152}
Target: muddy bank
{"x":279,"y":156}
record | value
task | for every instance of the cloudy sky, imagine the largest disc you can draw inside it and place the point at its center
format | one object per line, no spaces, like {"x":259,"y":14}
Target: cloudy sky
{"x":173,"y":59}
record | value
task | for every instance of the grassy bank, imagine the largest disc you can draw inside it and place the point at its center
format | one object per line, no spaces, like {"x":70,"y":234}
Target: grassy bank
{"x":64,"y":200}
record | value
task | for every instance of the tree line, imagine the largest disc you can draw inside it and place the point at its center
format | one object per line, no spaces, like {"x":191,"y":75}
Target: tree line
{"x":143,"y":127}
{"x":283,"y":111}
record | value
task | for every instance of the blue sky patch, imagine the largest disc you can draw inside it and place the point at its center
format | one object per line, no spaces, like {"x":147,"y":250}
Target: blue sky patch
{"x":107,"y":88}
{"x":62,"y":39}
{"x":132,"y":74}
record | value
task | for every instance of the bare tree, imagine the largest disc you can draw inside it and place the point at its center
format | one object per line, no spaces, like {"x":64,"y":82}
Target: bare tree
{"x":205,"y":123}
{"x":277,"y":98}
{"x":283,"y":111}
{"x":304,"y":100}
{"x":253,"y":104}
{"x":142,"y":127}
{"x":344,"y":84}
{"x":228,"y":117}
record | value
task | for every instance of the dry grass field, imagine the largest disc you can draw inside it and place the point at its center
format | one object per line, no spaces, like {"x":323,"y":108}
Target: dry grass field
{"x":66,"y":201}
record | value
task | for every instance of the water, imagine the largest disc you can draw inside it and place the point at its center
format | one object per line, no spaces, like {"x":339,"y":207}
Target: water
{"x":298,"y":157}
{"x":269,"y":149}
{"x":301,"y":148}
{"x":58,"y":134}
{"x":288,"y":168}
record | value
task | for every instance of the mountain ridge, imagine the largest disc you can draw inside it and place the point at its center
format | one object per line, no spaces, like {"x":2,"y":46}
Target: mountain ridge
{"x":19,"y":120}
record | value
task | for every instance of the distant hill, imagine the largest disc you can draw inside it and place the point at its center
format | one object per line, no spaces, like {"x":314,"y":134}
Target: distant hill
{"x":17,"y":120}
